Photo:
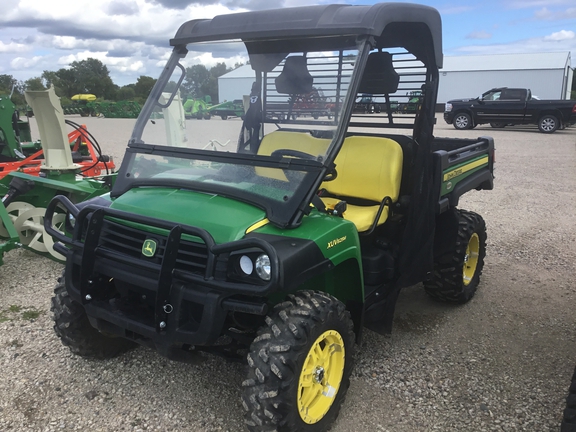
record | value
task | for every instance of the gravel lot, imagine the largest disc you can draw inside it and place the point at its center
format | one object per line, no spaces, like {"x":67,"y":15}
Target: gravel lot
{"x":502,"y":362}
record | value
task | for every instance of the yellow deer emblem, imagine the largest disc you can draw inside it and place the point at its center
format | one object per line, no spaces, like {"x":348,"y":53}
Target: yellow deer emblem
{"x":149,"y":248}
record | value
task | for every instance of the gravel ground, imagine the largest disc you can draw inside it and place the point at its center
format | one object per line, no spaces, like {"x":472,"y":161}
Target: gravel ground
{"x":502,"y":362}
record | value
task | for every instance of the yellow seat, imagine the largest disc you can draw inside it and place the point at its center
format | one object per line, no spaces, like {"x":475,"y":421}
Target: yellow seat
{"x":301,"y":141}
{"x":369,"y":169}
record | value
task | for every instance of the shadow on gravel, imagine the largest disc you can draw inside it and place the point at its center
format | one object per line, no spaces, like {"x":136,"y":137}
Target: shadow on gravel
{"x":417,"y":313}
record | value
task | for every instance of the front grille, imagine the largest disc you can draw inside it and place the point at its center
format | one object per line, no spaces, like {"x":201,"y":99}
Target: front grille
{"x":192,"y":256}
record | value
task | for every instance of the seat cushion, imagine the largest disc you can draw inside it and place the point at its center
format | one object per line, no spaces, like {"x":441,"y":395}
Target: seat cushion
{"x":362,"y":216}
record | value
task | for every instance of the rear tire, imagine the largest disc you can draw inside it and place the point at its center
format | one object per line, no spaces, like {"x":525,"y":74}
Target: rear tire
{"x":548,"y":123}
{"x":299,"y":365}
{"x":569,"y":419}
{"x":462,"y":121}
{"x":74,"y":330}
{"x":457,"y":273}
{"x":497,"y":125}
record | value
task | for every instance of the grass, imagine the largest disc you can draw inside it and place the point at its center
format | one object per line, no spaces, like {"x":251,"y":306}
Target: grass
{"x":14,"y":312}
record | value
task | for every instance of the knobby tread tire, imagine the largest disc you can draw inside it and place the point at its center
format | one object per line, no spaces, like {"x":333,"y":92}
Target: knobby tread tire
{"x":276,"y":357}
{"x":569,"y":419}
{"x":74,"y":330}
{"x":446,"y":283}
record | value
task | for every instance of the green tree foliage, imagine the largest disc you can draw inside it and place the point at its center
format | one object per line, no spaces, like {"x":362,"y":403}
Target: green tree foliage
{"x":85,"y":76}
{"x":143,"y":86}
{"x":200,"y":82}
{"x":10,"y":85}
{"x":126,"y":92}
{"x":34,"y":84}
{"x":196,"y":76}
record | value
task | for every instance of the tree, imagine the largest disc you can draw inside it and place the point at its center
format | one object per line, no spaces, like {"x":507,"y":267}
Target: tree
{"x":126,"y":92}
{"x":11,"y":86}
{"x":92,"y":76}
{"x":196,"y":77}
{"x":34,"y":84}
{"x":7,"y":83}
{"x":143,"y":86}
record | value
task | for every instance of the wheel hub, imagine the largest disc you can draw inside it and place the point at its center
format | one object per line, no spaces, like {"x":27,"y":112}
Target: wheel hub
{"x":319,"y":374}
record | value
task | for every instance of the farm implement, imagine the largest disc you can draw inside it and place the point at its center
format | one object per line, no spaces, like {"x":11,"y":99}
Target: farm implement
{"x":87,"y":105}
{"x":32,"y":173}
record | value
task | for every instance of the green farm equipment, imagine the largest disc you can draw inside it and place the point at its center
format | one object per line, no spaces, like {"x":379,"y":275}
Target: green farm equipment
{"x":120,"y":109}
{"x":282,"y":249}
{"x":33,"y":173}
{"x":87,"y":105}
{"x":198,"y":108}
{"x":228,"y":109}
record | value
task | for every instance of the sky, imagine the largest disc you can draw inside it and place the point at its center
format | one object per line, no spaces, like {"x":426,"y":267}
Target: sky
{"x":131,"y":36}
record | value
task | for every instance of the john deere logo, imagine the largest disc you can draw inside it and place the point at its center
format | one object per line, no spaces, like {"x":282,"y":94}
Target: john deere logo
{"x":149,"y":248}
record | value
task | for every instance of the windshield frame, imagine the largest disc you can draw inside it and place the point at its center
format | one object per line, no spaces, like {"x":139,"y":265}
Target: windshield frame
{"x":286,"y":213}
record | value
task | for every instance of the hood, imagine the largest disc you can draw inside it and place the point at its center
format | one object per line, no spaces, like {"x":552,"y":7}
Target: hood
{"x":224,"y":218}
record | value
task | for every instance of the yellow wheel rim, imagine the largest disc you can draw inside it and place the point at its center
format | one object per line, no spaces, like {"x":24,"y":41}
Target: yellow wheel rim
{"x":321,"y":376}
{"x":471,"y":258}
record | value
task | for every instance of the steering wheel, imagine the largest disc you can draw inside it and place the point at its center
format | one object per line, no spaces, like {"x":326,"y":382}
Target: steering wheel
{"x":293,"y":153}
{"x":292,"y":175}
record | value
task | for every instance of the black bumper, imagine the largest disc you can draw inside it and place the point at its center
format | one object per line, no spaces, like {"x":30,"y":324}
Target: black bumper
{"x":179,"y":298}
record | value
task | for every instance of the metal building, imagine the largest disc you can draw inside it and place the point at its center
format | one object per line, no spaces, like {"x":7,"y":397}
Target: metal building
{"x":548,"y":75}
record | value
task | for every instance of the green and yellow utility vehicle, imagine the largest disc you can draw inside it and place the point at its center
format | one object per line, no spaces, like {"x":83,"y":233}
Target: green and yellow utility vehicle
{"x":280,"y":248}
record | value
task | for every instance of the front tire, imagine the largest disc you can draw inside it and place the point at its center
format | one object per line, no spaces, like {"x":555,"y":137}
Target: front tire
{"x":497,"y":125}
{"x":569,"y":419}
{"x":457,"y":273}
{"x":74,"y":330}
{"x":299,"y":365}
{"x":548,"y":123}
{"x":462,"y":121}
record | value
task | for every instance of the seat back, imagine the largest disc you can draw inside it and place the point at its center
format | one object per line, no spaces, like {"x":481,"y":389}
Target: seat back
{"x":295,"y":77}
{"x":301,"y":141}
{"x":368,"y":168}
{"x":379,"y":76}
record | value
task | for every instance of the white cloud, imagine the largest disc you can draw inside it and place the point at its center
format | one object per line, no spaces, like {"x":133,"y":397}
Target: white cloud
{"x":24,"y":63}
{"x":560,"y":36}
{"x":546,"y":14}
{"x":479,"y":35}
{"x":13,"y":47}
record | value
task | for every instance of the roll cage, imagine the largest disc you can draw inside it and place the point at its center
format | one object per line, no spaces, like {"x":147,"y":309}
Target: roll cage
{"x":410,"y":34}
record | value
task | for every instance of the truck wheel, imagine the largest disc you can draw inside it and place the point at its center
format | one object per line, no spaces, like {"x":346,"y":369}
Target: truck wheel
{"x":74,"y":330}
{"x":457,"y":273}
{"x":224,"y":117}
{"x":462,"y":121}
{"x":299,"y":365}
{"x":548,"y":123}
{"x":569,"y":420}
{"x":497,"y":125}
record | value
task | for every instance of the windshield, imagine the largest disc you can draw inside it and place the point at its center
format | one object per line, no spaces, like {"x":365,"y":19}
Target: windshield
{"x":252,"y":121}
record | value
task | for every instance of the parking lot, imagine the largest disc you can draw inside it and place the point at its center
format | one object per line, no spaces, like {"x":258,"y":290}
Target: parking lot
{"x":502,"y":362}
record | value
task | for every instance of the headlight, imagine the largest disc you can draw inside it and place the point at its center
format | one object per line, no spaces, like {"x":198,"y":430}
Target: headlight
{"x":448,"y":107}
{"x":263,"y":267}
{"x":246,"y":264}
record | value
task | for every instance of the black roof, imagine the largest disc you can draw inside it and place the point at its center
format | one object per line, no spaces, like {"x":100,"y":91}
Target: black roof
{"x":313,"y":21}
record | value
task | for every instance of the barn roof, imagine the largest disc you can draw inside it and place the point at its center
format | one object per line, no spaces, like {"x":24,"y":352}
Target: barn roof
{"x":526,"y":61}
